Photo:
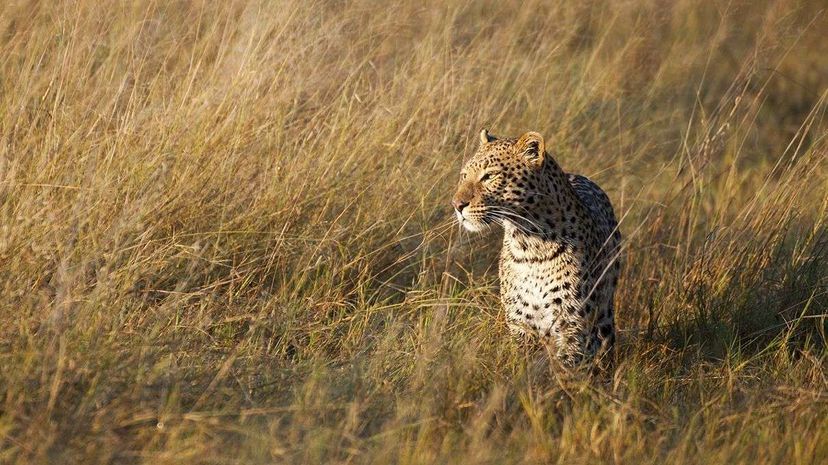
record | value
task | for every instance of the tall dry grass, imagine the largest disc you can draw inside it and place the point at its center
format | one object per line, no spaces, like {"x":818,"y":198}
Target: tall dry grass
{"x":225,"y":234}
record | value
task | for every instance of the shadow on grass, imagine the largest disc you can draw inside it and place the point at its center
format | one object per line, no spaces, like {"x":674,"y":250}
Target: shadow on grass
{"x":782,"y":304}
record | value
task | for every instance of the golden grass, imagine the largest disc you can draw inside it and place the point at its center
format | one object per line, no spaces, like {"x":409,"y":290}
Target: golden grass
{"x":225,"y":234}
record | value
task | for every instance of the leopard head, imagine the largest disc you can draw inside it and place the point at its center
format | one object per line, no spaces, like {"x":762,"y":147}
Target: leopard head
{"x":500,"y":181}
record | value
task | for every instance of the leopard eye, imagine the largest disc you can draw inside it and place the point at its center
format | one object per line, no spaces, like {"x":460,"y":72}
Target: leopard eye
{"x":487,"y":176}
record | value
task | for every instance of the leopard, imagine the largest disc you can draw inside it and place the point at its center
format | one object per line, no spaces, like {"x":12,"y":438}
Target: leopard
{"x":560,"y":258}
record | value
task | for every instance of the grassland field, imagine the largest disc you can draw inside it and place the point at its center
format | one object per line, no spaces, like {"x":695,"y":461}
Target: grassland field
{"x":226,"y":237}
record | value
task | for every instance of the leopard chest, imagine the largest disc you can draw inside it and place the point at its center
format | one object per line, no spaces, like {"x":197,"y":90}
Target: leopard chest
{"x":539,"y":290}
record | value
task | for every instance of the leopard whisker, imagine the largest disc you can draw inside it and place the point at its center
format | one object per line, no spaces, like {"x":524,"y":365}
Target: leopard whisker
{"x":512,"y":215}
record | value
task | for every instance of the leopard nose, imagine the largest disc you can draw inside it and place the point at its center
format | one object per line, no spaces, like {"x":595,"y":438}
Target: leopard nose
{"x":459,"y":205}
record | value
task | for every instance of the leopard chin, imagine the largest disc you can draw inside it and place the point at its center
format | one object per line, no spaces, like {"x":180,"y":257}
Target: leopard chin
{"x":471,"y":226}
{"x":467,"y":224}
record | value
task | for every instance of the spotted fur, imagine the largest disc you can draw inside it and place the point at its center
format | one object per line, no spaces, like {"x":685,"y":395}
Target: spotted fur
{"x":559,"y":262}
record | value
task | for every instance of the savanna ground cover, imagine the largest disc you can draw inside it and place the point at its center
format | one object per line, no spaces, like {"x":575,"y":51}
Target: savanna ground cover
{"x":225,"y":231}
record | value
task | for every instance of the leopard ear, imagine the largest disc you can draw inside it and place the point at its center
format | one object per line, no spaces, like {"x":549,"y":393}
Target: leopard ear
{"x":531,"y":147}
{"x":485,"y":137}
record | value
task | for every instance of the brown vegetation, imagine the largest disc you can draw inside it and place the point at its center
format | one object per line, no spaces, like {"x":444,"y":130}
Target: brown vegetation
{"x":225,"y":231}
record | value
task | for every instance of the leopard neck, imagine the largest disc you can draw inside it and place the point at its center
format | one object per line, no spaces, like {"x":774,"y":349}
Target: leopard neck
{"x":553,"y":214}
